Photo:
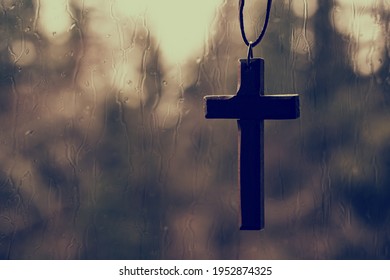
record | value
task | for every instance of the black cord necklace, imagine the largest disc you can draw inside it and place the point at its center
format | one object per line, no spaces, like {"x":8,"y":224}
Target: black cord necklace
{"x":251,"y":44}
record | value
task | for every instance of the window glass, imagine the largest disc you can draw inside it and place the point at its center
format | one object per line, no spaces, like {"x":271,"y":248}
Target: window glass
{"x":106,"y":154}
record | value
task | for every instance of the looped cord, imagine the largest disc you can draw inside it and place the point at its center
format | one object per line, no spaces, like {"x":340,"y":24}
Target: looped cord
{"x":258,"y":40}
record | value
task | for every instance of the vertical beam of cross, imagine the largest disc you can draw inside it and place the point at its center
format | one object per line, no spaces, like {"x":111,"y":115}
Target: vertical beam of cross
{"x":251,"y":107}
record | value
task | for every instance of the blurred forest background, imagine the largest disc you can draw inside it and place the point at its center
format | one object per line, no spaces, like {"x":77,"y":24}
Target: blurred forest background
{"x":105,"y":152}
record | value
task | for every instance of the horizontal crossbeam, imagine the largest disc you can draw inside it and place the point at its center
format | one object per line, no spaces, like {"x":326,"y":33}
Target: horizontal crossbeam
{"x":250,"y":107}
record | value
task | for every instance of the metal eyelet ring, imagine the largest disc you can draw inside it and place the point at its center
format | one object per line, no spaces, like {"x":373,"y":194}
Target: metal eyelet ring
{"x":250,"y":52}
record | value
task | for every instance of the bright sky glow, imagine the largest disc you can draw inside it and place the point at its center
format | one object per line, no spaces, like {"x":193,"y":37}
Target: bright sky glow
{"x":54,"y":21}
{"x":304,"y":8}
{"x":356,"y":19}
{"x":180,"y":26}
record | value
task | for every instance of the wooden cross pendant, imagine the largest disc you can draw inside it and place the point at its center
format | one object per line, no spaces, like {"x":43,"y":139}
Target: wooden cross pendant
{"x":251,"y":107}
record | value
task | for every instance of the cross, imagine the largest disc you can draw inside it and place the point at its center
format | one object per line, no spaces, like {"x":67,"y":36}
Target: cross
{"x":251,"y":107}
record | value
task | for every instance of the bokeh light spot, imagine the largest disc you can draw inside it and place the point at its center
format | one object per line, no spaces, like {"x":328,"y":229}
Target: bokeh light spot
{"x":23,"y":52}
{"x":304,"y":8}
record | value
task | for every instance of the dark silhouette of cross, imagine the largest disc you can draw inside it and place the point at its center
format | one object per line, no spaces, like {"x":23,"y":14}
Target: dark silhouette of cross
{"x":251,"y":107}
